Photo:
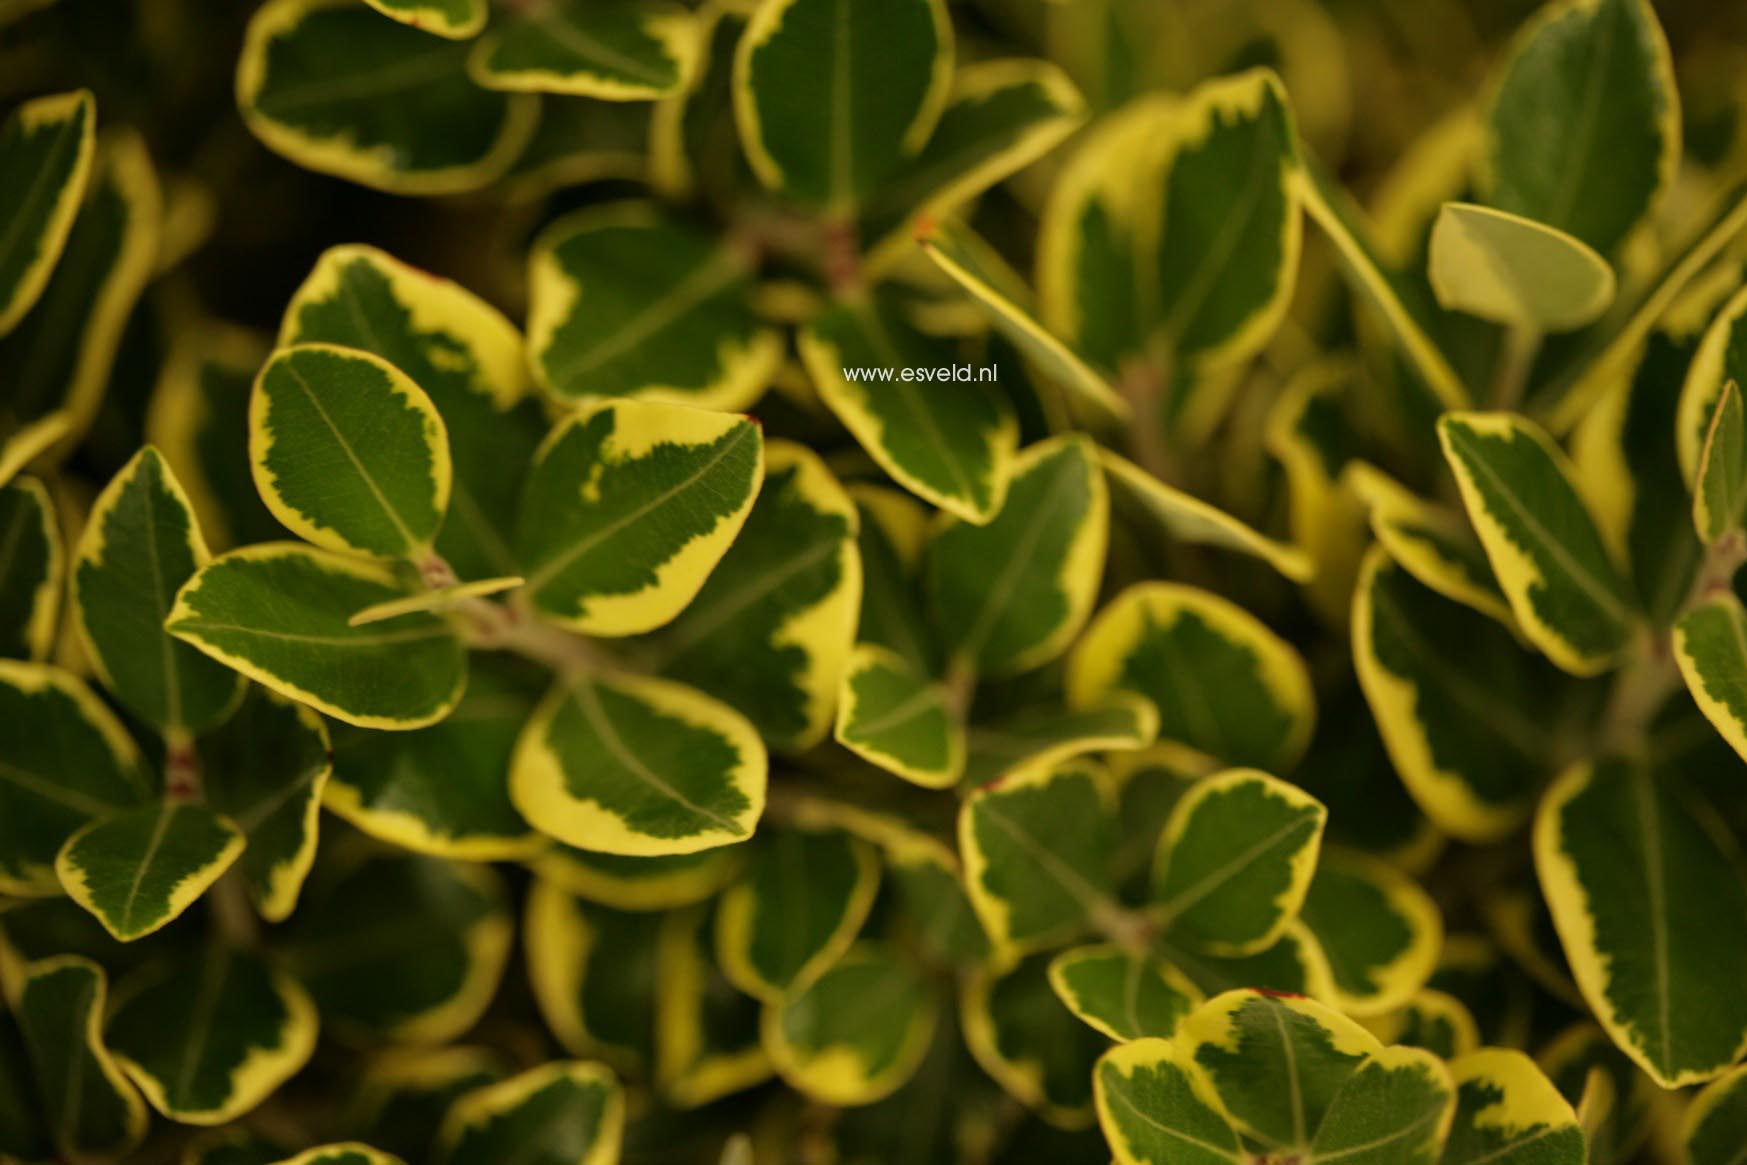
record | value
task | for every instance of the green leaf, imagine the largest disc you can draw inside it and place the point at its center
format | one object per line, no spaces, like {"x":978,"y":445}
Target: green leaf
{"x":1127,"y":995}
{"x":343,"y":1153}
{"x":1187,"y":518}
{"x":1295,"y":965}
{"x":1393,"y":1110}
{"x":1467,"y":715}
{"x":1719,"y":495}
{"x":1010,"y":595}
{"x":891,"y":716}
{"x":280,"y":614}
{"x":1721,"y":358}
{"x":626,"y":300}
{"x":1258,"y":1049}
{"x":638,"y":766}
{"x":65,"y":760}
{"x":832,"y":95}
{"x":563,"y":1113}
{"x":1235,"y":860}
{"x":1617,"y":1104}
{"x":1434,"y":1020}
{"x":855,"y":1034}
{"x":1508,"y":1113}
{"x":59,"y":361}
{"x":442,"y":790}
{"x":1715,"y":1124}
{"x":449,"y":19}
{"x":265,"y":768}
{"x":1380,"y":931}
{"x":1035,"y":1048}
{"x":1650,"y":909}
{"x":892,"y":531}
{"x":628,"y":509}
{"x":465,"y":356}
{"x":951,"y":446}
{"x":1036,"y":848}
{"x":665,"y":882}
{"x":1040,"y":738}
{"x":399,"y":946}
{"x":1432,"y":543}
{"x":770,"y":630}
{"x":800,"y":904}
{"x":1601,"y":70}
{"x":348,"y":452}
{"x":592,"y":971}
{"x":45,"y":153}
{"x":1549,"y":557}
{"x":614,"y":51}
{"x":87,"y":1103}
{"x":1710,"y":646}
{"x":24,"y":1132}
{"x":208,"y":1037}
{"x":1515,"y":271}
{"x":326,"y":84}
{"x":1158,"y":1108}
{"x":977,"y":268}
{"x":32,"y":563}
{"x":139,"y":870}
{"x":706,"y":1030}
{"x":404,"y":1093}
{"x":1000,"y":116}
{"x":140,"y":544}
{"x":1223,"y":683}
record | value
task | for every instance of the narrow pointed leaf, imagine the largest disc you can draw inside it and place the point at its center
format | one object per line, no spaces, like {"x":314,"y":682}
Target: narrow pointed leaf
{"x":1258,"y":1048}
{"x":627,"y":301}
{"x":640,"y":767}
{"x":65,"y":760}
{"x":449,"y":19}
{"x":318,"y":82}
{"x":1380,"y":931}
{"x":1509,"y":1113}
{"x":592,"y":970}
{"x":139,"y":870}
{"x":891,"y":716}
{"x":1035,"y":1048}
{"x":1513,"y":270}
{"x":1710,"y":646}
{"x":795,"y":911}
{"x":32,"y":564}
{"x":1223,"y":683}
{"x":280,"y":614}
{"x":348,"y":452}
{"x":1393,"y":1110}
{"x":435,"y":599}
{"x":1601,"y":68}
{"x":949,"y":444}
{"x":629,"y":507}
{"x":1158,"y":1108}
{"x":1719,"y":495}
{"x":857,"y":1033}
{"x":400,"y":946}
{"x":468,"y":360}
{"x":770,"y":631}
{"x":564,"y":1113}
{"x":831,"y":95}
{"x":1189,"y":519}
{"x":45,"y":152}
{"x":1466,"y":714}
{"x":87,"y":1102}
{"x":1124,"y":994}
{"x":265,"y":768}
{"x":208,"y":1038}
{"x":1235,"y":861}
{"x":1010,"y":595}
{"x":442,"y":790}
{"x":1550,"y":560}
{"x":1036,"y":848}
{"x":1645,"y":892}
{"x":615,"y":51}
{"x":141,"y":543}
{"x":1040,"y":738}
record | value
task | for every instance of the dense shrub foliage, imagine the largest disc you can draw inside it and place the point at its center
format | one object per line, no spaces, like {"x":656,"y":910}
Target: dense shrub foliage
{"x":842,"y":582}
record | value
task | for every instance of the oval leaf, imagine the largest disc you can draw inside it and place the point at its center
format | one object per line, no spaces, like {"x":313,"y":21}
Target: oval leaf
{"x":1035,"y":1049}
{"x":45,"y":152}
{"x":1710,"y":646}
{"x":1508,"y":1113}
{"x":1124,"y":994}
{"x":592,"y":971}
{"x":1158,"y":1108}
{"x":566,"y":1113}
{"x":87,"y":1102}
{"x":1380,"y":931}
{"x":449,"y":19}
{"x":614,"y":51}
{"x":31,"y":570}
{"x":139,"y":870}
{"x":892,"y":717}
{"x":1393,"y":1110}
{"x":1040,"y":738}
{"x":1719,"y":495}
{"x":1515,"y":271}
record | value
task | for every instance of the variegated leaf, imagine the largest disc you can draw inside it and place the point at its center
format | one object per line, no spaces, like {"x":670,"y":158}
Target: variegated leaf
{"x":31,"y":569}
{"x":88,"y":1105}
{"x":1127,"y":995}
{"x":1515,"y":271}
{"x":45,"y":152}
{"x":1380,"y":931}
{"x":615,"y":51}
{"x":138,"y":870}
{"x":892,"y":717}
{"x":563,"y":1113}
